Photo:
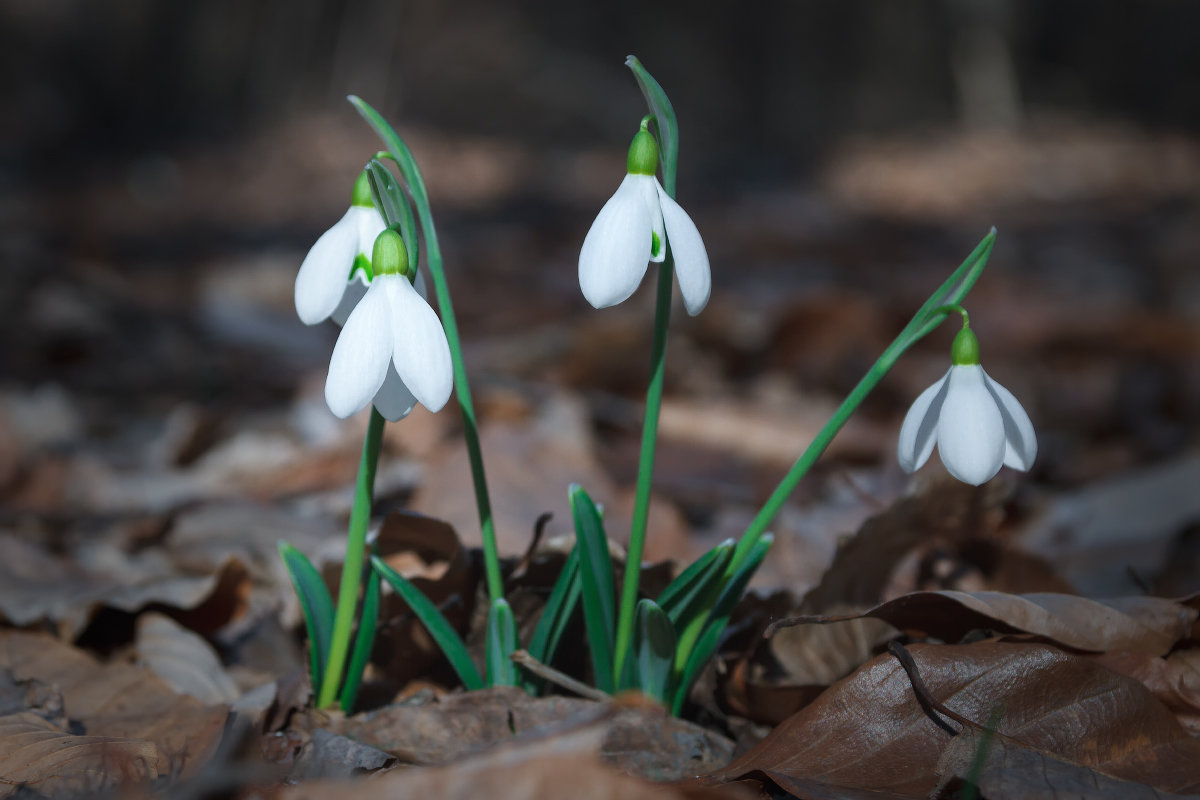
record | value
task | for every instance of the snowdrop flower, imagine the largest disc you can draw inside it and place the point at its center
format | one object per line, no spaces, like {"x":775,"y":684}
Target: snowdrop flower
{"x":976,"y":423}
{"x":393,"y":350}
{"x":337,"y":271}
{"x":634,"y":227}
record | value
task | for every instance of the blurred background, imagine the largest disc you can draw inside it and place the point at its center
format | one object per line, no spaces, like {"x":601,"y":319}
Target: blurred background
{"x":164,"y":167}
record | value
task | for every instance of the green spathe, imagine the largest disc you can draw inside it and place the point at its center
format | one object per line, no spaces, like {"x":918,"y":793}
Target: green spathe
{"x":361,"y":195}
{"x":390,"y":256}
{"x":965,"y":350}
{"x":643,"y":153}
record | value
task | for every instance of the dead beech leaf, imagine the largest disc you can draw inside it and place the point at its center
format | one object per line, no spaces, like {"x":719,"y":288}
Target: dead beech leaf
{"x":644,"y":741}
{"x":36,"y":754}
{"x":796,"y":660}
{"x":1009,"y":771}
{"x":869,"y":732}
{"x":560,"y":764}
{"x":38,"y":588}
{"x":119,"y":700}
{"x":1175,"y":680}
{"x":183,"y":659}
{"x":1141,"y":624}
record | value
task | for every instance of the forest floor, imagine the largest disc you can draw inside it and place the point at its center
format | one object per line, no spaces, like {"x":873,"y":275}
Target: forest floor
{"x":163,"y":426}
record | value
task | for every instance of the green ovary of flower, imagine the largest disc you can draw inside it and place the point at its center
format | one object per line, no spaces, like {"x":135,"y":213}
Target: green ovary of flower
{"x":390,"y":256}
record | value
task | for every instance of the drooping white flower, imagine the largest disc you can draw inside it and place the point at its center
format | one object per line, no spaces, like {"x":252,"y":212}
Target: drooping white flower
{"x":634,"y":227}
{"x":393,"y":350}
{"x":335,"y":274}
{"x":975,"y":422}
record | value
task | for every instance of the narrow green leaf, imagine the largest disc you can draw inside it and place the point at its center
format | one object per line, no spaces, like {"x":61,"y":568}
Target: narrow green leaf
{"x":560,"y":606}
{"x":596,"y":572}
{"x":664,"y":116}
{"x":952,"y":291}
{"x":501,"y":642}
{"x":390,"y":200}
{"x":317,"y":605}
{"x":697,"y":581}
{"x":435,"y":622}
{"x":363,"y":642}
{"x":396,"y":147}
{"x":653,"y":649}
{"x":698,"y":653}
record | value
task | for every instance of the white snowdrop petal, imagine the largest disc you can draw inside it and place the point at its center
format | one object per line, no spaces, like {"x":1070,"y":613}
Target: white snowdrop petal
{"x":691,"y":259}
{"x":419,"y":285}
{"x":650,"y":189}
{"x":419,"y":347}
{"x":1020,"y":441}
{"x":393,"y":400}
{"x":612,"y":261}
{"x":360,"y":357}
{"x":322,"y":277}
{"x":970,"y":430}
{"x":918,"y":434}
{"x":369,"y":223}
{"x":355,"y":290}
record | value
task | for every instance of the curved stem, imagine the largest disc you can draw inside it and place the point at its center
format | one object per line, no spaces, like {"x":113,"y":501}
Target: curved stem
{"x":356,"y":543}
{"x":462,"y":390}
{"x":932,"y":313}
{"x":403,"y":157}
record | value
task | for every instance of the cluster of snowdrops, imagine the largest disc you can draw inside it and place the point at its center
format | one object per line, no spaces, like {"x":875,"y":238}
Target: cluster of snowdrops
{"x":368,"y":274}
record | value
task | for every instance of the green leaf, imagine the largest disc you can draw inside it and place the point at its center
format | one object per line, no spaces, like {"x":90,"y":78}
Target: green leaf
{"x":560,"y":606}
{"x":435,"y":622}
{"x":664,"y":117}
{"x":317,"y":605}
{"x":501,"y":642}
{"x":396,"y":147}
{"x":699,"y":580}
{"x":705,"y":645}
{"x":390,"y":200}
{"x":363,"y":642}
{"x":953,"y":291}
{"x":653,"y":649}
{"x":599,"y":600}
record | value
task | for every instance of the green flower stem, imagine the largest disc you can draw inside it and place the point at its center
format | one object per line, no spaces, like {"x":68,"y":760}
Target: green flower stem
{"x":352,"y":566}
{"x":641,"y":501}
{"x":758,"y":526}
{"x":462,"y":389}
{"x":667,"y":130}
{"x":943,"y":302}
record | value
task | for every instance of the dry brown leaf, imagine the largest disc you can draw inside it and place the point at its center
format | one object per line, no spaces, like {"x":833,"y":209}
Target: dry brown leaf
{"x":330,"y":755}
{"x":1175,"y":680}
{"x":1103,"y":534}
{"x":643,"y":741}
{"x":1009,"y":771}
{"x":36,"y":754}
{"x":795,"y":660}
{"x":37,"y":588}
{"x":1141,"y":624}
{"x":561,"y":764}
{"x":183,"y":659}
{"x":119,"y":700}
{"x":870,"y":732}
